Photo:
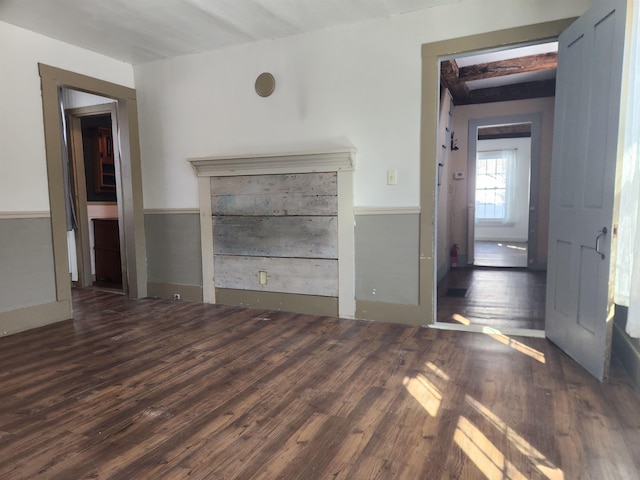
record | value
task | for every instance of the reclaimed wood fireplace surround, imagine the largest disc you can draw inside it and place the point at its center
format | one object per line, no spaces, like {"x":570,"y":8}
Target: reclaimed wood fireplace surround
{"x":277,"y":231}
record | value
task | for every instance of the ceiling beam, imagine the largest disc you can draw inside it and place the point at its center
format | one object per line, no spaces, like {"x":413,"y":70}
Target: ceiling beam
{"x":519,"y":91}
{"x":449,"y":77}
{"x":518,"y":130}
{"x":530,"y":63}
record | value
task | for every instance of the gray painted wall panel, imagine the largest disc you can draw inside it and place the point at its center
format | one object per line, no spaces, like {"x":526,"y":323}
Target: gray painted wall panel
{"x":173,"y":248}
{"x":295,"y":236}
{"x":387,"y":257}
{"x":287,"y":275}
{"x":27,"y":276}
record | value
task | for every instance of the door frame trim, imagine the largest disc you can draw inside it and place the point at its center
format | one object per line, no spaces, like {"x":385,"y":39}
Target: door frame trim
{"x":51,"y":79}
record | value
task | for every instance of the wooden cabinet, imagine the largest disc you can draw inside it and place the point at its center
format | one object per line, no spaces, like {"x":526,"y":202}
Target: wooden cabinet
{"x":104,"y":166}
{"x":107,"y":252}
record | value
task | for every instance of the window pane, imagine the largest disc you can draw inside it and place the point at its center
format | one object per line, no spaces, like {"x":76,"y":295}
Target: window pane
{"x":491,"y":187}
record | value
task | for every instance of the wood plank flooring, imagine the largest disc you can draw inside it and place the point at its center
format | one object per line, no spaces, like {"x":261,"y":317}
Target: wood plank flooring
{"x":496,"y":297}
{"x":491,"y":253}
{"x":159,"y":389}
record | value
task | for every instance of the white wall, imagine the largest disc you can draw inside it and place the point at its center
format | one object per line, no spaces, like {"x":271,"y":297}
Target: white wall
{"x":445,"y":190}
{"x":359,"y":84}
{"x":517,"y":230}
{"x":23,"y":172}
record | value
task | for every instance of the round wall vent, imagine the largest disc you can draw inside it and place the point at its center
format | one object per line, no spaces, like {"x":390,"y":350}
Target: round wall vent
{"x":265,"y":84}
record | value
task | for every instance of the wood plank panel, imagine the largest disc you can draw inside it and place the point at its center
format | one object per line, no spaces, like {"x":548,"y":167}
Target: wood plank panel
{"x":287,"y":275}
{"x":265,"y":195}
{"x":321,"y":184}
{"x":274,"y":205}
{"x":298,"y":237}
{"x":273,"y":218}
{"x":165,"y":389}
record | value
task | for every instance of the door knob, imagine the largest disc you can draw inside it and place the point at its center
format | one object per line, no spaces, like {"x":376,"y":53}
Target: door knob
{"x":601,"y":234}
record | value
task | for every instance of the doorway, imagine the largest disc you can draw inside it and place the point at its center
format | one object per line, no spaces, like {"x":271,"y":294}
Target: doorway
{"x":130,"y":194}
{"x":503,"y":191}
{"x":495,"y":177}
{"x":94,"y":186}
{"x":584,"y":320}
{"x":501,"y":223}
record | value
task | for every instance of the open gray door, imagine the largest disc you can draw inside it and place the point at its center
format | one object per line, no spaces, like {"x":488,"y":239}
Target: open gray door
{"x":585,"y":150}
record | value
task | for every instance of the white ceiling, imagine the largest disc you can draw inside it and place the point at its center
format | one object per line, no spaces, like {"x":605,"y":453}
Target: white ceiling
{"x":139,"y":31}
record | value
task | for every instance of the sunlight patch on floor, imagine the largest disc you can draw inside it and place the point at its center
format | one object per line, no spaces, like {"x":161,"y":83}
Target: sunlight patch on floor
{"x":435,"y":369}
{"x":547,"y":468}
{"x":515,"y":344}
{"x":425,"y":392}
{"x":460,"y":319}
{"x":484,"y":454}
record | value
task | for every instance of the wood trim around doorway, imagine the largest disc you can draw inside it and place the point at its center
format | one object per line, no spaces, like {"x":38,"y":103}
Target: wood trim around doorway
{"x":51,"y":80}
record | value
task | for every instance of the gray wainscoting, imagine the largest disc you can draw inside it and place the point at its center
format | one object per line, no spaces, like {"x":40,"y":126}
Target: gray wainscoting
{"x":387,"y":253}
{"x":174,"y":255}
{"x":27,"y":276}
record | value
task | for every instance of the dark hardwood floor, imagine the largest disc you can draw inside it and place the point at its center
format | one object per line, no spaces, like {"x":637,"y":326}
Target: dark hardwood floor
{"x":159,"y":389}
{"x":495,"y":297}
{"x":500,"y":254}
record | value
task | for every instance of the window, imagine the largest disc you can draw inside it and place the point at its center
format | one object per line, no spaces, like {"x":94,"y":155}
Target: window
{"x":492,"y":185}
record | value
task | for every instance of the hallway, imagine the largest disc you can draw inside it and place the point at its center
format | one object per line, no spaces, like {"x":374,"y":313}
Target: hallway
{"x":491,"y":253}
{"x":493,"y":297}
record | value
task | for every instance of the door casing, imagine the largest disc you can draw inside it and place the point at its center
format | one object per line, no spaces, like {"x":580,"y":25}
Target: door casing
{"x":51,"y":79}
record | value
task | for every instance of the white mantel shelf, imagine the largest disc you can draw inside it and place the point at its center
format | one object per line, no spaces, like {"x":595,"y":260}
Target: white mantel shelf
{"x":269,"y":164}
